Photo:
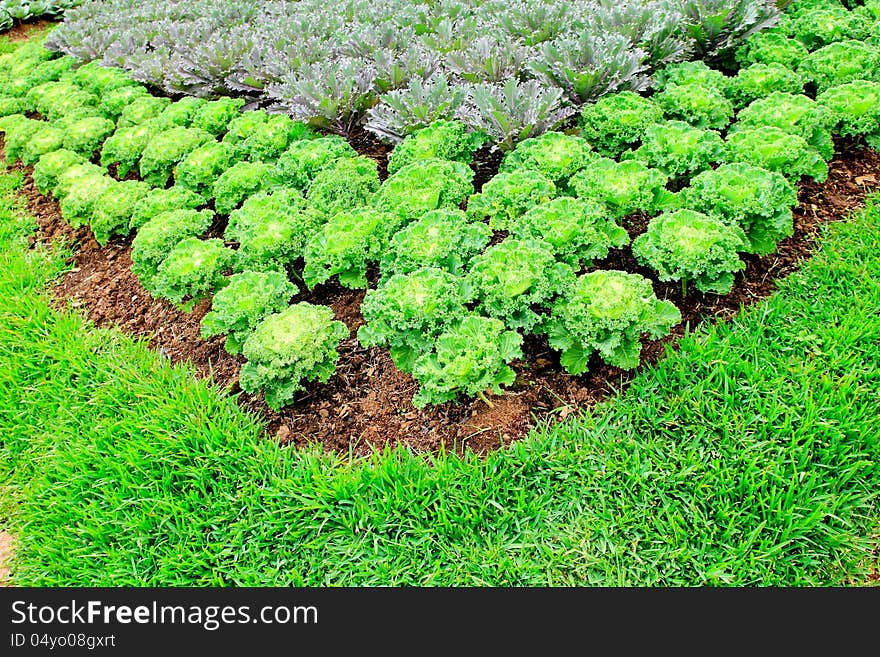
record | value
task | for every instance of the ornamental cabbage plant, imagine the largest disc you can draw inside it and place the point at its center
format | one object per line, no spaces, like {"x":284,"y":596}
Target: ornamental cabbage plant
{"x":271,"y":230}
{"x":822,"y":26}
{"x":304,"y":159}
{"x":247,"y":299}
{"x":74,"y":176}
{"x":771,"y":47}
{"x":508,"y":195}
{"x":45,"y":139}
{"x":142,"y":109}
{"x":156,"y":238}
{"x":424,"y":185}
{"x":623,"y":187}
{"x":691,"y":73}
{"x":158,"y":201}
{"x":347,"y":244}
{"x":80,"y":196}
{"x":771,"y":148}
{"x":114,"y":102}
{"x":51,"y":165}
{"x":841,"y":62}
{"x":444,"y":239}
{"x":679,"y":149}
{"x":166,"y":149}
{"x":607,"y":311}
{"x":289,"y":348}
{"x":686,"y":245}
{"x":346,"y":184}
{"x":515,"y":280}
{"x":470,"y":358}
{"x":554,"y":154}
{"x":241,"y":180}
{"x":446,"y":140}
{"x":760,"y":80}
{"x":180,"y":113}
{"x":113,"y":209}
{"x":193,"y":269}
{"x":854,"y":108}
{"x":796,"y":114}
{"x":269,"y":139}
{"x":577,"y":231}
{"x":86,"y":135}
{"x":408,"y":311}
{"x":757,"y":200}
{"x":201,"y":167}
{"x":617,"y":122}
{"x":125,"y":147}
{"x":701,"y":105}
{"x":215,"y":115}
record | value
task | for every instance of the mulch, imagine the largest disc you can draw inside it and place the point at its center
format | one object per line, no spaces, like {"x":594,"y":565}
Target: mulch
{"x":366,"y":405}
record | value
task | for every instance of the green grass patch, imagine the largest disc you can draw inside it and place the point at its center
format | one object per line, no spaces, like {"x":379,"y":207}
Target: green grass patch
{"x":747,"y":457}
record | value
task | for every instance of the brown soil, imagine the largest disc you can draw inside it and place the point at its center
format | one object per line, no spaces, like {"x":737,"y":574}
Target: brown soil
{"x":22,"y":31}
{"x":366,"y":404}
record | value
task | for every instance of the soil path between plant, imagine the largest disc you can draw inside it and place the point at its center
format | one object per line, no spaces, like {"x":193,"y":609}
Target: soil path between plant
{"x":366,"y":405}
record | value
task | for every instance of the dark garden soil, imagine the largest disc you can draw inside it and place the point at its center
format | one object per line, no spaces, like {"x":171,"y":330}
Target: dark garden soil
{"x":366,"y":405}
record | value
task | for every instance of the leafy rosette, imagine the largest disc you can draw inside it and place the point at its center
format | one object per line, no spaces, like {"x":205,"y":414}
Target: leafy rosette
{"x":796,"y":114}
{"x":623,"y":187}
{"x":425,"y":185}
{"x":156,"y":238}
{"x":289,"y":348}
{"x":774,"y":149}
{"x":192,"y":270}
{"x":446,"y":140}
{"x":554,"y":154}
{"x":158,"y":201}
{"x":470,"y":358}
{"x":509,"y":195}
{"x":679,"y":149}
{"x":607,"y":311}
{"x":617,"y":122}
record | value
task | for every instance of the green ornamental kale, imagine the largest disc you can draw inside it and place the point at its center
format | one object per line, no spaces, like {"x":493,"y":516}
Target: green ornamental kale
{"x":192,"y":270}
{"x":686,"y":245}
{"x":771,"y":148}
{"x":240,"y":181}
{"x":346,"y":184}
{"x":45,"y":139}
{"x":180,"y":113}
{"x":247,"y":299}
{"x":291,"y":347}
{"x":445,"y":239}
{"x":422,"y":186}
{"x":700,"y":105}
{"x":469,"y":358}
{"x":113,"y":209}
{"x":12,"y":105}
{"x":623,"y":187}
{"x":825,"y":25}
{"x":18,"y":130}
{"x":509,"y":195}
{"x":854,"y":108}
{"x":679,"y":149}
{"x":215,"y":115}
{"x":554,"y":154}
{"x":408,"y":311}
{"x":577,"y":231}
{"x":114,"y":102}
{"x":141,"y":109}
{"x":125,"y":147}
{"x":757,"y":200}
{"x":198,"y":170}
{"x":796,"y":114}
{"x":99,"y":80}
{"x":160,"y":235}
{"x":55,"y":100}
{"x":51,"y":166}
{"x":158,"y":201}
{"x":607,"y":311}
{"x":617,"y":122}
{"x":347,"y":244}
{"x":771,"y":48}
{"x":166,"y":149}
{"x":74,"y":176}
{"x":242,"y":125}
{"x":269,"y":139}
{"x":841,"y":62}
{"x":687,"y":73}
{"x":446,"y":140}
{"x":80,"y":196}
{"x":272,"y":230}
{"x":86,"y":135}
{"x":760,"y":80}
{"x":304,"y":159}
{"x":514,"y":279}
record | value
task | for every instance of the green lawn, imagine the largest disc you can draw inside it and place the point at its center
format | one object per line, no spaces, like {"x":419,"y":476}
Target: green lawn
{"x":748,"y":457}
